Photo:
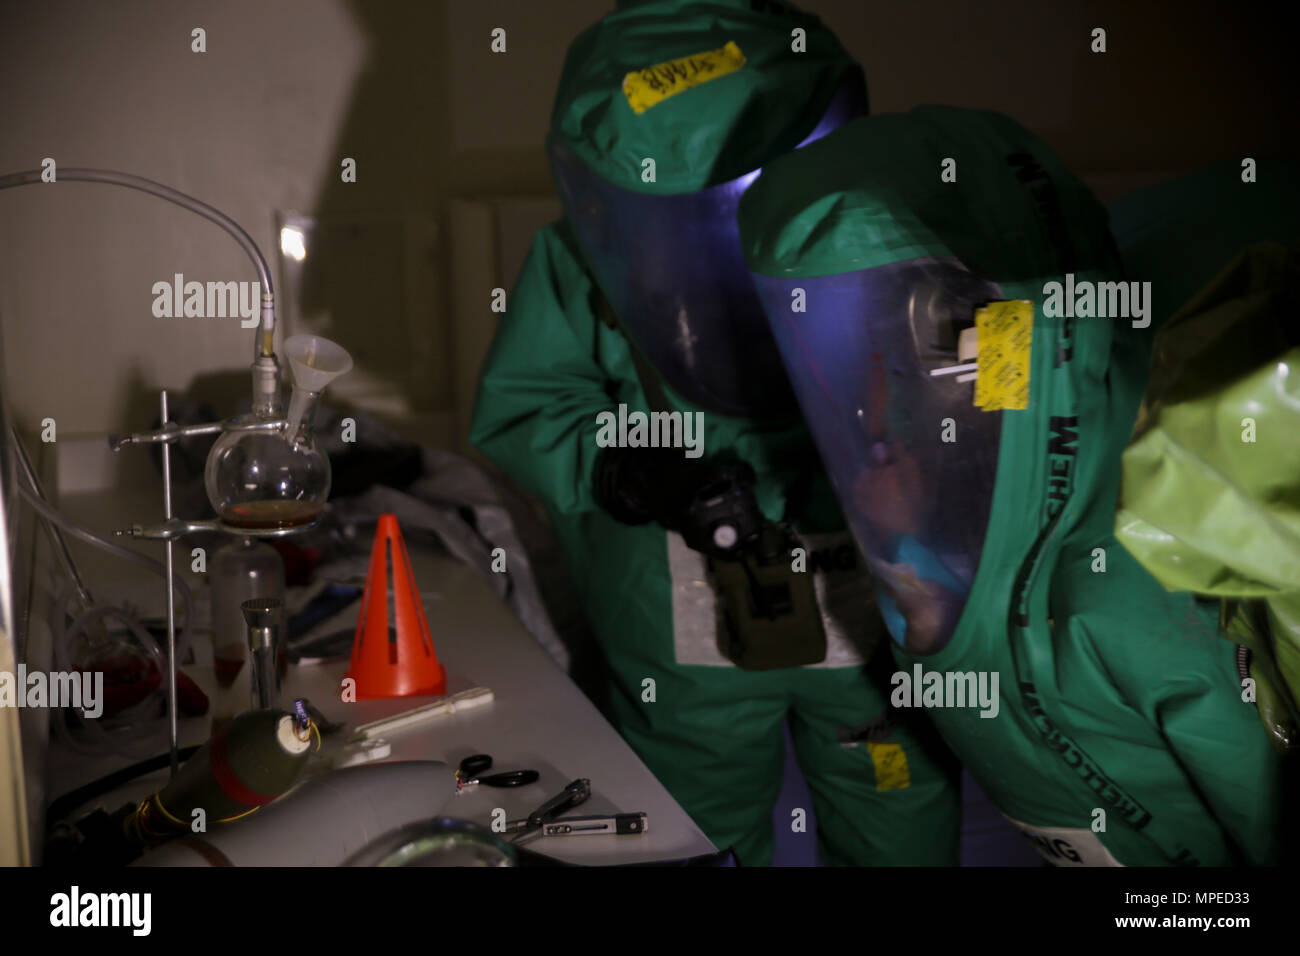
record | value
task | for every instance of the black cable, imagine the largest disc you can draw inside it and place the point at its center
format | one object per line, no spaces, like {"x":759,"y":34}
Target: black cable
{"x":62,"y":806}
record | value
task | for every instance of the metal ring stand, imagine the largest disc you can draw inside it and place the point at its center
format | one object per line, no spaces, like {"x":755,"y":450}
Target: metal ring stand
{"x":173,"y":528}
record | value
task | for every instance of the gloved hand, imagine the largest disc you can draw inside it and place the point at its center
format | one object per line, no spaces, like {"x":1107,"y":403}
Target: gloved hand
{"x":711,"y":505}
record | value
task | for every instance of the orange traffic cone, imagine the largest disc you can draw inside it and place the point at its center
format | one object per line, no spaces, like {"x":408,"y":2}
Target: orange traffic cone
{"x":393,"y":659}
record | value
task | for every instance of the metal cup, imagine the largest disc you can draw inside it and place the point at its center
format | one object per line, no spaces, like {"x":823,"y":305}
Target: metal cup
{"x":264,"y":617}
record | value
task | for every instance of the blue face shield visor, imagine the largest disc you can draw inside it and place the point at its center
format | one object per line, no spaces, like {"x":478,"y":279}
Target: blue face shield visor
{"x":870,"y":358}
{"x":672,"y":270}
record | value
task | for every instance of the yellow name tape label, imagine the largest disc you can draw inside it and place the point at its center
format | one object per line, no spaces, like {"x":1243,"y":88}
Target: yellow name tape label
{"x":890,"y":761}
{"x":651,"y":86}
{"x":1006,"y":333}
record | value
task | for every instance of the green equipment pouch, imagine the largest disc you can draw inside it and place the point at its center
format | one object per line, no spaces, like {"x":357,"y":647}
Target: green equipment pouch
{"x":770,"y":615}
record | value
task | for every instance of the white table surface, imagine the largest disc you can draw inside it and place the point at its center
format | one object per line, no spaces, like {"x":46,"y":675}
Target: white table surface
{"x":539,"y":719}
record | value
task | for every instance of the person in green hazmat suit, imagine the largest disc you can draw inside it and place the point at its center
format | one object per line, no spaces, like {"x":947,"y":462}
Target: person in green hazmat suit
{"x":1210,"y":493}
{"x":970,"y":356}
{"x":634,"y":388}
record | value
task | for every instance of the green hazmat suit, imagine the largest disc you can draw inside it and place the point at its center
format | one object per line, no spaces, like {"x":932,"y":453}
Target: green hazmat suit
{"x":708,"y":730}
{"x":1210,"y":499}
{"x":1121,"y":735}
{"x":664,"y":111}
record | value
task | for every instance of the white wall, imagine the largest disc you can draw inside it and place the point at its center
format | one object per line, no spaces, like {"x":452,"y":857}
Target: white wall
{"x":256,"y":124}
{"x":247,"y":126}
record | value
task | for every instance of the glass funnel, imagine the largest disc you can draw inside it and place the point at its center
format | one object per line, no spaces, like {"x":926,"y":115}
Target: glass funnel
{"x":276,"y":479}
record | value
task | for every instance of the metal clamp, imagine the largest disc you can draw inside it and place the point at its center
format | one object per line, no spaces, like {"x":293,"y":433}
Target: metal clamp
{"x":176,"y":527}
{"x":171,"y":432}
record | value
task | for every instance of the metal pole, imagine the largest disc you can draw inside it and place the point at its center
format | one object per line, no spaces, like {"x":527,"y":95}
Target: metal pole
{"x":172,"y":725}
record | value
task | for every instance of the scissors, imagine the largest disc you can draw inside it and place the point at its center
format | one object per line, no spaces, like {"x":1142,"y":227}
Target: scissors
{"x":471,"y":769}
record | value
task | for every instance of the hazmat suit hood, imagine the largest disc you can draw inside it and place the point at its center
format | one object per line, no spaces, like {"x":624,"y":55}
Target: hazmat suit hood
{"x":666,"y":111}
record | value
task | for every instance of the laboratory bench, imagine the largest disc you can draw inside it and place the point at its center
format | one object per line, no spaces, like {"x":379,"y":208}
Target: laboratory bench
{"x":538,"y":717}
